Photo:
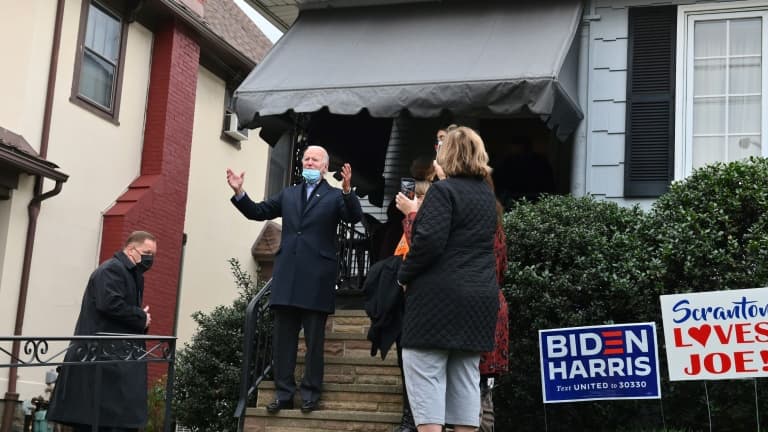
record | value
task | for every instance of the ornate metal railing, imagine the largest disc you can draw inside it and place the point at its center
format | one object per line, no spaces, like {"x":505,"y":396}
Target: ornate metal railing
{"x":257,"y":348}
{"x":95,"y":351}
{"x":354,"y":257}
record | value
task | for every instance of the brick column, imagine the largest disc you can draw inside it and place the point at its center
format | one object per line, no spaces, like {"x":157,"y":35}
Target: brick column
{"x":156,"y":201}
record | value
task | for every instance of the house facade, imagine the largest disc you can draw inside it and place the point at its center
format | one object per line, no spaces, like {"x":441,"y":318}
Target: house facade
{"x":660,"y":88}
{"x":115,"y":118}
{"x":672,"y":87}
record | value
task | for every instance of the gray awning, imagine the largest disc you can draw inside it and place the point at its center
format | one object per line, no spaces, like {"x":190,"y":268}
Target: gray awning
{"x":477,"y":59}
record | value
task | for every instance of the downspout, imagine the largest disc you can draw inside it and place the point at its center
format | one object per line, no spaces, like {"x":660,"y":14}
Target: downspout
{"x":580,"y":162}
{"x":33,"y":212}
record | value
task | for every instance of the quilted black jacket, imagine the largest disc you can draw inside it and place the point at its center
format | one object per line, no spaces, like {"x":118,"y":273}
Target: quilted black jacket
{"x":452,"y":296}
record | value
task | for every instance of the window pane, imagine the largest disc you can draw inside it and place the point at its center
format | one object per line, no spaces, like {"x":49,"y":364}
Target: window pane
{"x":744,"y":114}
{"x":727,"y":62}
{"x":96,"y":77}
{"x":709,"y":77}
{"x":709,"y":38}
{"x":745,"y":75}
{"x":746,"y":36}
{"x":709,"y":115}
{"x":742,"y":147}
{"x":103,"y":34}
{"x":707,"y":150}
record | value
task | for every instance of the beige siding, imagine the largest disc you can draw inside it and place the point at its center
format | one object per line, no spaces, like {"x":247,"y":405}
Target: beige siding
{"x":101,"y":158}
{"x":216,"y":231}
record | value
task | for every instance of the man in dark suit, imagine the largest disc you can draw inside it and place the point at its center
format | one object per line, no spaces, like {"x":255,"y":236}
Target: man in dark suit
{"x":112,"y":303}
{"x":304,"y":276}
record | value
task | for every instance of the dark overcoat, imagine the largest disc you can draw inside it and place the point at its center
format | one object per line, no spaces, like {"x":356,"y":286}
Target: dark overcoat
{"x":384,"y":304}
{"x":304,"y":275}
{"x":112,"y":303}
{"x":451,"y":299}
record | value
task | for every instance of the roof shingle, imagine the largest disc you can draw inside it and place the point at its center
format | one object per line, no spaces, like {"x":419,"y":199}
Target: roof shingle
{"x":227,"y":20}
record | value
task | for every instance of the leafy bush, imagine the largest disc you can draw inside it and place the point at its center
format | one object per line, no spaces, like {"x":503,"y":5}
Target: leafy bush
{"x":207,"y":384}
{"x":156,"y":405}
{"x":579,"y":261}
{"x":710,"y":233}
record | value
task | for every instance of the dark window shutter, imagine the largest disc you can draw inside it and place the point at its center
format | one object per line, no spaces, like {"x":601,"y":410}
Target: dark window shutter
{"x":650,"y":126}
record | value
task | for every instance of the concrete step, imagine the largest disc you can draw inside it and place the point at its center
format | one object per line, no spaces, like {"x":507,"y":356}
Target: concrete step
{"x":258,"y":420}
{"x":362,"y":370}
{"x":343,"y":397}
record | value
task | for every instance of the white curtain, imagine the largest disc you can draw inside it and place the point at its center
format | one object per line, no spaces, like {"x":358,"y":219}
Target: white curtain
{"x":727,"y":90}
{"x":100,"y":56}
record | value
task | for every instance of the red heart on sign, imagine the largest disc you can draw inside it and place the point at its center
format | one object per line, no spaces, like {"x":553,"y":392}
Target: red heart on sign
{"x":700,"y":334}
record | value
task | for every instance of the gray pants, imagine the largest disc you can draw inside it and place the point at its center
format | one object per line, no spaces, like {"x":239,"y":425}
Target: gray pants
{"x":443,"y":386}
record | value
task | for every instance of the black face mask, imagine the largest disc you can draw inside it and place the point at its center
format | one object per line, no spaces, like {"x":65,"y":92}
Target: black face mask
{"x":146,"y":262}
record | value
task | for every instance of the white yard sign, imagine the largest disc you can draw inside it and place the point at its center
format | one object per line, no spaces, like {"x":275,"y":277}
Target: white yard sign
{"x":716,"y":335}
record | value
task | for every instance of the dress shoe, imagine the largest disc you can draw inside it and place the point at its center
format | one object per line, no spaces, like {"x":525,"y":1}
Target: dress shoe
{"x":308,"y":406}
{"x":276,"y":405}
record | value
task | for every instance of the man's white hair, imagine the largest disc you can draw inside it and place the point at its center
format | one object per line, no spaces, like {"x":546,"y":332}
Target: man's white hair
{"x":326,"y":159}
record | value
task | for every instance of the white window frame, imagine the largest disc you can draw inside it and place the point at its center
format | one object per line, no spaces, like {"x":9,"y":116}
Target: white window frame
{"x":686,"y":18}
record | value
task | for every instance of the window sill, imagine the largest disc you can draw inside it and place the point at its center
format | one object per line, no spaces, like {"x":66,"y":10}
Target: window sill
{"x":99,"y":112}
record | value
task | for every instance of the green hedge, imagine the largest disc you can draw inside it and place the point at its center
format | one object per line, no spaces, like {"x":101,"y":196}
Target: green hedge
{"x":208,"y":369}
{"x":580,"y":261}
{"x":711,"y":233}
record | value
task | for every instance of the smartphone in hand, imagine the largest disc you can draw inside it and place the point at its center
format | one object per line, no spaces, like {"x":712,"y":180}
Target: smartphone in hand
{"x":408,"y":187}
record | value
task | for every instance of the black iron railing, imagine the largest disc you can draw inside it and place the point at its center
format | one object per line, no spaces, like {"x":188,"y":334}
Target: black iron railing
{"x":95,"y":351}
{"x":257,"y":348}
{"x":354,"y":257}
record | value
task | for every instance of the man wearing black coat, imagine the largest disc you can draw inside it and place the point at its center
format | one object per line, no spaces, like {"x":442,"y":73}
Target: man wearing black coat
{"x":304,"y":276}
{"x":112,"y":303}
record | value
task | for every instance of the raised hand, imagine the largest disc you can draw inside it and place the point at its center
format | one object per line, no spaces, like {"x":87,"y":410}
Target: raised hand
{"x":405,"y":204}
{"x":235,"y":181}
{"x":346,"y":176}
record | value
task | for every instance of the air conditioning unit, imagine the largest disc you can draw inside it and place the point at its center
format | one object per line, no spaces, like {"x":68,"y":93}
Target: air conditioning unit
{"x":231,"y":130}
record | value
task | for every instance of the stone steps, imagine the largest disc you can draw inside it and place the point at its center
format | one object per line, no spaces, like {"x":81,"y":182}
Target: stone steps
{"x":348,"y":321}
{"x":343,"y":345}
{"x":258,"y":420}
{"x":356,"y":397}
{"x":352,"y":370}
{"x":360,"y":393}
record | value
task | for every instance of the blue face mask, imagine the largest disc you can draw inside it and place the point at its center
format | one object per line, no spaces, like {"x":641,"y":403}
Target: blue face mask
{"x":310,"y":175}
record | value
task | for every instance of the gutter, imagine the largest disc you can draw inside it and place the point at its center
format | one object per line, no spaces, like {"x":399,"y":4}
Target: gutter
{"x":11,"y":395}
{"x":267,"y":13}
{"x":31,"y":165}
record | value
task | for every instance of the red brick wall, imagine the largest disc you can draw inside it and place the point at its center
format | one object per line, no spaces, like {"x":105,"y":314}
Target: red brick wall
{"x":156,"y":201}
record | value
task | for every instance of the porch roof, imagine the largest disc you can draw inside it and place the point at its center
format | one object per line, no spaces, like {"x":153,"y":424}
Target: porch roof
{"x":18,"y":156}
{"x":478,"y":59}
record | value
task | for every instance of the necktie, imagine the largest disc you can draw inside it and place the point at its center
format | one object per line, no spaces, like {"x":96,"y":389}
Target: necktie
{"x":310,"y":189}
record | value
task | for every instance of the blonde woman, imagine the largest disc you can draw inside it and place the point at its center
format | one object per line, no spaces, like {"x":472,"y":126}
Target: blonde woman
{"x":451,"y":294}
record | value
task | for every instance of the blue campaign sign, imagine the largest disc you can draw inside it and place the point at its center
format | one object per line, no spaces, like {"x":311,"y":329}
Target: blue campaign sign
{"x":599,"y":362}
